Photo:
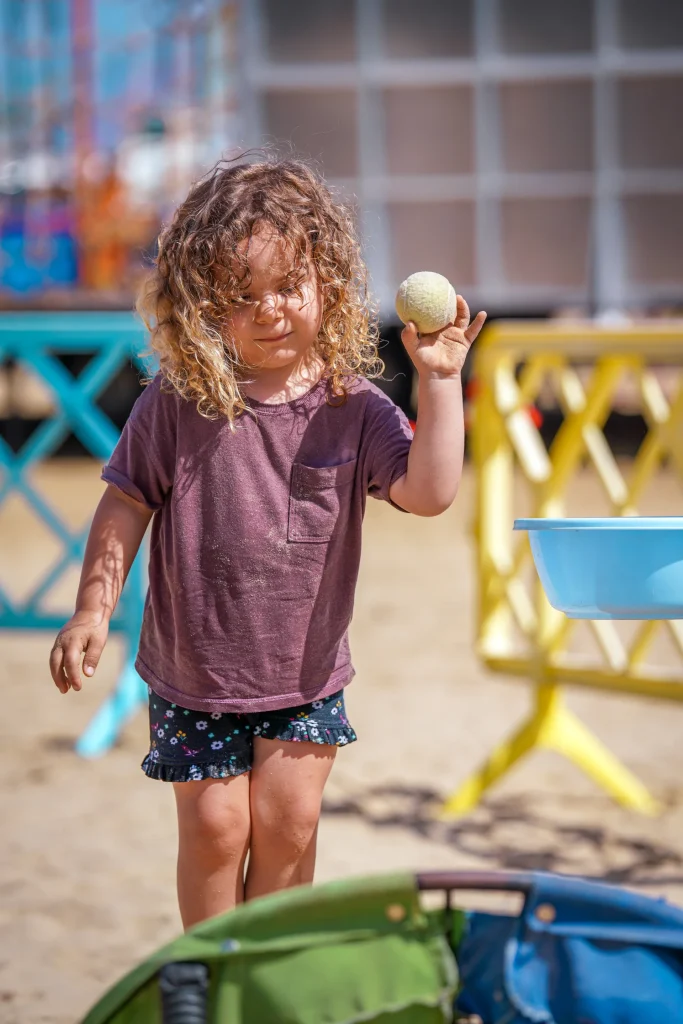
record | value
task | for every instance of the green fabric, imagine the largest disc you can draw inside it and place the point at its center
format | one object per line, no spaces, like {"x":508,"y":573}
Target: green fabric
{"x":330,"y":954}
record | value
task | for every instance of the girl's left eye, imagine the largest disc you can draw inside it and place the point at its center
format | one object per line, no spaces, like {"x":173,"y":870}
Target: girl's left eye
{"x":288,"y":290}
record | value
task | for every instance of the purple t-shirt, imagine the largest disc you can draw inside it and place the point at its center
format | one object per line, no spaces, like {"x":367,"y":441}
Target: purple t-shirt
{"x":256,"y":540}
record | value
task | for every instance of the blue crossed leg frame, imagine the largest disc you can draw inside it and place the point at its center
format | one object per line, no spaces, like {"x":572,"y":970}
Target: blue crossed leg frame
{"x":34,"y":340}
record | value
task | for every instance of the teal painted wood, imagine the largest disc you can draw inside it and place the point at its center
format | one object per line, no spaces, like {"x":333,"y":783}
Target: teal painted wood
{"x":35,"y":340}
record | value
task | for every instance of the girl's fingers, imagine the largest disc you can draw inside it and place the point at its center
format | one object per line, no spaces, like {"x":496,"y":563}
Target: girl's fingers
{"x":72,"y":664}
{"x":56,"y":667}
{"x":93,"y":650}
{"x":462,"y":313}
{"x":476,"y":325}
{"x":409,"y":336}
{"x":68,"y":653}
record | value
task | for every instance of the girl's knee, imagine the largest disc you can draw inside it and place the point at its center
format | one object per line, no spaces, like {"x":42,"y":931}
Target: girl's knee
{"x":288,"y":825}
{"x":212,"y":816}
{"x":286,"y":793}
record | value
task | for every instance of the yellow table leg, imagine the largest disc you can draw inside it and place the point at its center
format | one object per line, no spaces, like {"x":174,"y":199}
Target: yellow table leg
{"x":554,"y":727}
{"x":499,"y":763}
{"x":569,"y":736}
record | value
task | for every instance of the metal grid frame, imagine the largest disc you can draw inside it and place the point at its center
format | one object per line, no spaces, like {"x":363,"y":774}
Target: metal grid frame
{"x":608,"y":287}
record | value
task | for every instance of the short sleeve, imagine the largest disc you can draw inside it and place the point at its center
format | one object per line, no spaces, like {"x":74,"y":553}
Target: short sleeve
{"x":143,"y":463}
{"x":387,"y":436}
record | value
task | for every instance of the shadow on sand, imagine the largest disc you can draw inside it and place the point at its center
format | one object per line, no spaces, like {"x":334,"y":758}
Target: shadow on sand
{"x":518,"y":833}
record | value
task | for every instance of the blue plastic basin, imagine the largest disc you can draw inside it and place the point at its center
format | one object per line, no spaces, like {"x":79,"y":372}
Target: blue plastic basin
{"x":629,"y":568}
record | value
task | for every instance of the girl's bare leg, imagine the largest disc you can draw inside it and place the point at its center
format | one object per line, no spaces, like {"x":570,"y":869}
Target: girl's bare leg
{"x":213,"y":839}
{"x":287,"y":783}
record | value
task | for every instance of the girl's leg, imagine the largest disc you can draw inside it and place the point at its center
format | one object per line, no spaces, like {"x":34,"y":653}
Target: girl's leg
{"x":287,"y":782}
{"x":213,"y":839}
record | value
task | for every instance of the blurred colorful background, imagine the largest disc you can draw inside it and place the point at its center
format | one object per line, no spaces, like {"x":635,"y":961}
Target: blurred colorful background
{"x":530,"y":151}
{"x":109,"y":110}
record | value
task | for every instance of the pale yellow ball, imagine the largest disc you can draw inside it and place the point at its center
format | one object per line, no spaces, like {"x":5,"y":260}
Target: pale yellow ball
{"x":428,"y":299}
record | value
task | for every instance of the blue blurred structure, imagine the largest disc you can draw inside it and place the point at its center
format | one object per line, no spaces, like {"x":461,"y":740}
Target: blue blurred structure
{"x":36,"y":256}
{"x":35,"y":340}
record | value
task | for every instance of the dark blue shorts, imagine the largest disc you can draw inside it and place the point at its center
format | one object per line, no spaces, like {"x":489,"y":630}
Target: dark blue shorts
{"x":188,"y":746}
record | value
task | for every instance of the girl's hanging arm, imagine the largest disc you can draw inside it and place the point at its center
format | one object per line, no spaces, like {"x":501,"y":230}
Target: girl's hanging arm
{"x":116,"y":533}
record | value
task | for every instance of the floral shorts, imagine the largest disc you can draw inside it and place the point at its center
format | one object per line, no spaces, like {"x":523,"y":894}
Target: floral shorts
{"x":188,"y":746}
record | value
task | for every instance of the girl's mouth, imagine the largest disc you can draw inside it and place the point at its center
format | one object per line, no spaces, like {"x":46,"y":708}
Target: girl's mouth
{"x":278,"y":337}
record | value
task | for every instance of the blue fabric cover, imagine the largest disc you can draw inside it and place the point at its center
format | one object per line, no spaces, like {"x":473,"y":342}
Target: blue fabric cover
{"x":594,"y":954}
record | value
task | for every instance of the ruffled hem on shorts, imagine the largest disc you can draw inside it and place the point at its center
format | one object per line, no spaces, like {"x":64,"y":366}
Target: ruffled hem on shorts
{"x":194,"y":772}
{"x":306,"y":732}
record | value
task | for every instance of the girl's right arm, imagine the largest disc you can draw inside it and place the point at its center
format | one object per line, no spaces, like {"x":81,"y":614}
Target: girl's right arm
{"x":116,"y":533}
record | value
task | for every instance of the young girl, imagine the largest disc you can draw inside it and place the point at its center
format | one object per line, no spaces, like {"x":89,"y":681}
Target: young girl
{"x":252,"y":453}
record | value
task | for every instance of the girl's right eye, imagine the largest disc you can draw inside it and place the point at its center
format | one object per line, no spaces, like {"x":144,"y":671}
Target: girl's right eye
{"x":245,"y":298}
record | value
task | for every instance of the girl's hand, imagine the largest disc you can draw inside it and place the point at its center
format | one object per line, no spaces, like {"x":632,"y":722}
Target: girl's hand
{"x":84,"y":634}
{"x":443,"y":354}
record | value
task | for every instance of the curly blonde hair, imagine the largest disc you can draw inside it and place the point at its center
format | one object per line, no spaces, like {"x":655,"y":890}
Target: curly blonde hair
{"x":200,"y":274}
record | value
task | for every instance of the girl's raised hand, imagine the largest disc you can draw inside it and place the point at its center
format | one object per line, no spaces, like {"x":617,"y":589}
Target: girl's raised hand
{"x":443,"y":353}
{"x":82,"y":639}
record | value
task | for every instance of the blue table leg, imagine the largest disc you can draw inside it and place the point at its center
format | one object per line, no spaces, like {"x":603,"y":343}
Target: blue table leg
{"x":102,"y":731}
{"x":130,"y":691}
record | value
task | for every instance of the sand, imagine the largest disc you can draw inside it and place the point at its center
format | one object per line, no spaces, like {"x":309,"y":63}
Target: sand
{"x":88,"y":861}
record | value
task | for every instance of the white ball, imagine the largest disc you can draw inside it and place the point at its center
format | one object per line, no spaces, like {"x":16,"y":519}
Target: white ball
{"x":428,"y":299}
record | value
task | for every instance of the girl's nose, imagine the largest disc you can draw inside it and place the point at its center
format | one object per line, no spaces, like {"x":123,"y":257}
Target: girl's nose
{"x":268,"y":309}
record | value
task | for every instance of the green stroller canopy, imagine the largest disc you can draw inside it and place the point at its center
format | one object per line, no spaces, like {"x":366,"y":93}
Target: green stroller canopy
{"x":366,"y":950}
{"x":360,"y":950}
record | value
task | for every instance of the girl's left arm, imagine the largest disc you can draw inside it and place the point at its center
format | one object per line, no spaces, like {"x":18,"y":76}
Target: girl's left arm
{"x":431,"y":481}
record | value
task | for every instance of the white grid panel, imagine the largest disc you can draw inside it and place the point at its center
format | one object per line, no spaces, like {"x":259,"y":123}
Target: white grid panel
{"x":531,"y":151}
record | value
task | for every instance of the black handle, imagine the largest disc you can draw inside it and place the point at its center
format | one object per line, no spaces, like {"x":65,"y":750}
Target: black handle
{"x":184,"y":989}
{"x":490,"y":881}
{"x":493,"y":881}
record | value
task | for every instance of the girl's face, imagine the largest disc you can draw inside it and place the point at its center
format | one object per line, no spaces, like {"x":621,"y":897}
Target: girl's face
{"x":276,"y":328}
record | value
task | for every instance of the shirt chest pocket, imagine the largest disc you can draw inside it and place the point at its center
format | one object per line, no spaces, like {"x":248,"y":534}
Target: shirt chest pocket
{"x":317,"y":496}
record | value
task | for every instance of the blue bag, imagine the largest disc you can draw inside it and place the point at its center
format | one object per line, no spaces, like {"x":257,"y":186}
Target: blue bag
{"x":579,"y":953}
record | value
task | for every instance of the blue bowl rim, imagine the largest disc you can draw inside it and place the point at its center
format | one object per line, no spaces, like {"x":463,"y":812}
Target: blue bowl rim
{"x":603,"y":523}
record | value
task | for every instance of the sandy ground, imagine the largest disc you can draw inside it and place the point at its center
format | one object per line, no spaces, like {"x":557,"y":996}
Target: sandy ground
{"x":87,"y":871}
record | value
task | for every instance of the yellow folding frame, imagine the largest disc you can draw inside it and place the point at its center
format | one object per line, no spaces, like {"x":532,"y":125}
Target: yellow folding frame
{"x":511,"y":364}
